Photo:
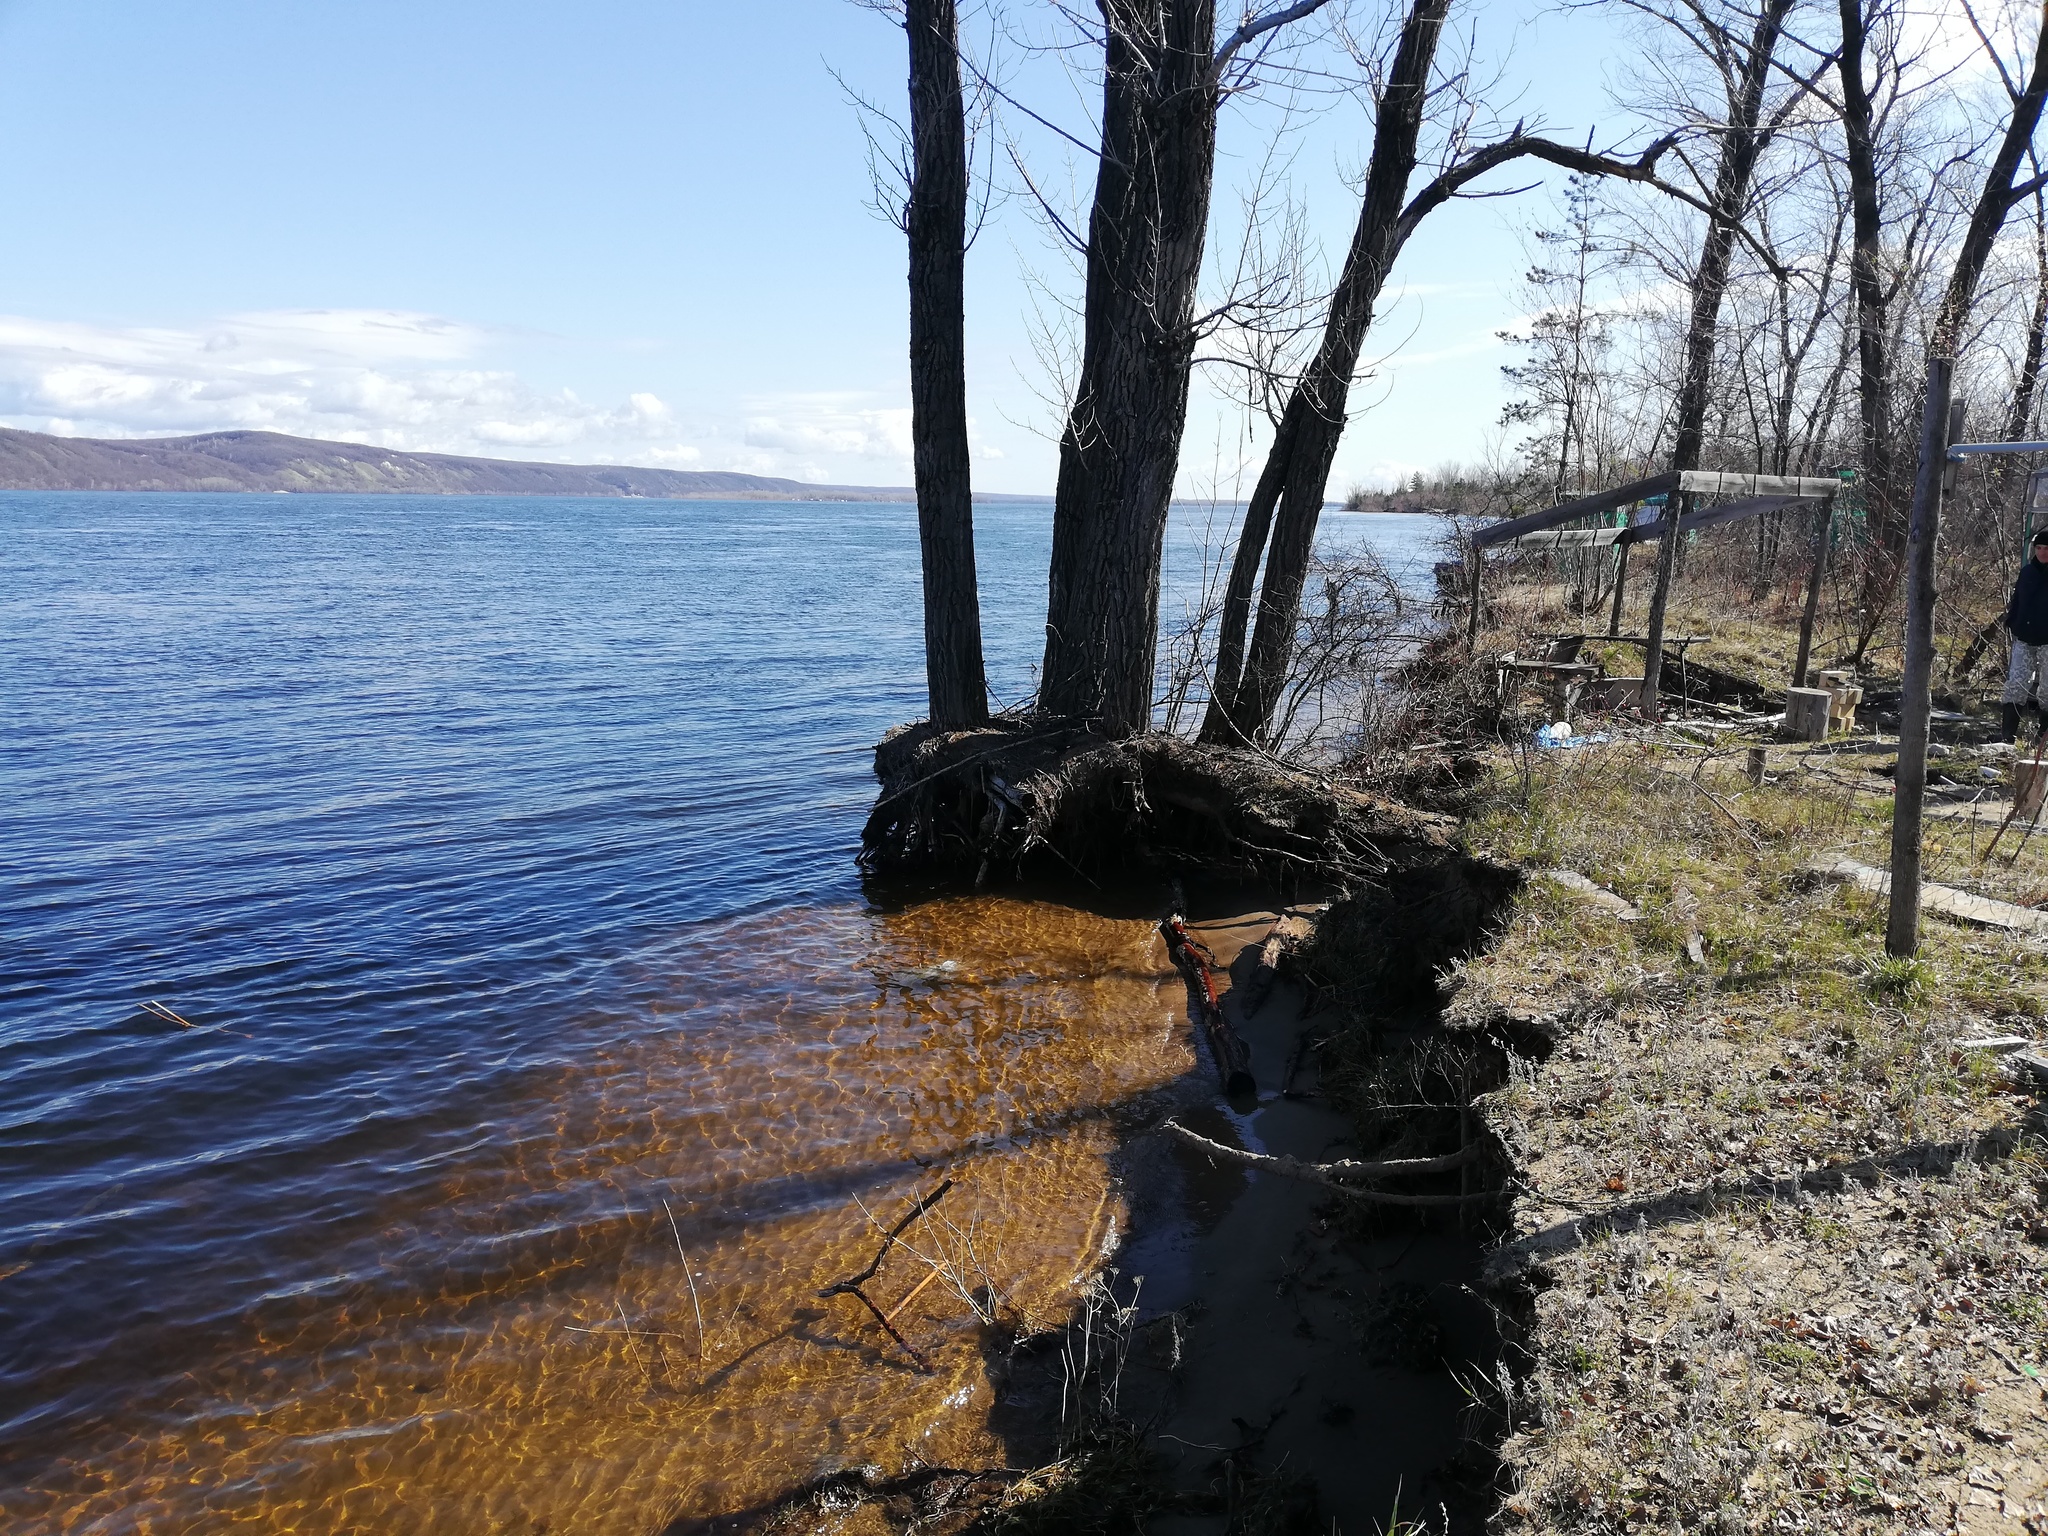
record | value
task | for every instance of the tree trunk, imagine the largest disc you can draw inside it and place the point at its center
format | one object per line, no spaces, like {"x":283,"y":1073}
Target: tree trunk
{"x":1993,"y":203}
{"x":2022,"y":417}
{"x":1297,"y":471}
{"x":1121,"y":446}
{"x":936,"y":222}
{"x":1741,"y":144}
{"x":1940,"y":427}
{"x":1884,"y":508}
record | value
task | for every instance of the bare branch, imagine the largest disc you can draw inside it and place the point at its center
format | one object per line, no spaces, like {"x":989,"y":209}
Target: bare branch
{"x":1264,"y":24}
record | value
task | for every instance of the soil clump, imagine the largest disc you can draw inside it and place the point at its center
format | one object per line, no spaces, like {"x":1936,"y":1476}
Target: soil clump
{"x":1016,"y":799}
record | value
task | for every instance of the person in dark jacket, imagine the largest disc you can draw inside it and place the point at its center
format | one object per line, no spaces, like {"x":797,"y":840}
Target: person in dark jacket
{"x":2026,"y":616}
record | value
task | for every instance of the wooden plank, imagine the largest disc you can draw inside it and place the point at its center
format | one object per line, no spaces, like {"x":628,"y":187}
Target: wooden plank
{"x":1564,"y":512}
{"x":1945,"y":899}
{"x":1593,"y":895}
{"x":1645,"y":639}
{"x":1570,"y":538}
{"x":1723,"y":483}
{"x":1699,"y":481}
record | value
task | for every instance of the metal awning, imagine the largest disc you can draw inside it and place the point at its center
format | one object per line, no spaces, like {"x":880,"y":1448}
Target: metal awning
{"x":1698,"y":482}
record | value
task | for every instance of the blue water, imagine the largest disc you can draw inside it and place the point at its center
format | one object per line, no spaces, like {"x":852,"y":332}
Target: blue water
{"x":375,"y":793}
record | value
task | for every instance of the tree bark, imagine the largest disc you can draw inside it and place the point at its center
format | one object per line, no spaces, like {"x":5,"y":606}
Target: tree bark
{"x":1883,"y":507}
{"x":1121,"y":445}
{"x":936,"y":222}
{"x":1742,"y":143}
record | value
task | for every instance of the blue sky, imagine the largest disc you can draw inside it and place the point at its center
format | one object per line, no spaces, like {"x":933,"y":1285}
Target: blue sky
{"x":620,"y":232}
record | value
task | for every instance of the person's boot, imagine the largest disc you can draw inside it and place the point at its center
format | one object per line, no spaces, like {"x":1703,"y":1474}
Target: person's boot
{"x":2010,"y":729}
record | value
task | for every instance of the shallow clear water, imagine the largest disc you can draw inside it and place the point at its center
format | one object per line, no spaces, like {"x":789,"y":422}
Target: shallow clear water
{"x":499,"y":854}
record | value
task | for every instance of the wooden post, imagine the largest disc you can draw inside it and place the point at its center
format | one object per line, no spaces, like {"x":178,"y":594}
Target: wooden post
{"x":1676,"y":505}
{"x":2029,"y":787}
{"x":1620,"y":587}
{"x":1759,"y":762}
{"x":1937,"y":426}
{"x":1821,"y":545}
{"x":1476,"y":566}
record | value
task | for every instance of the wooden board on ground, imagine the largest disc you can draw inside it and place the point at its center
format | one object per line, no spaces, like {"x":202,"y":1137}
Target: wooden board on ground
{"x":1594,"y":895}
{"x":1945,"y":899}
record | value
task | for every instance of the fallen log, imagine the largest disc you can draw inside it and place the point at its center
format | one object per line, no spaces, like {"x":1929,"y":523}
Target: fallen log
{"x":1227,"y":1049}
{"x":1334,"y":1175}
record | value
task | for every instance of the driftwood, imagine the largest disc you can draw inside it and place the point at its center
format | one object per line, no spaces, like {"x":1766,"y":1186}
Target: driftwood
{"x":1227,"y":1049}
{"x":1334,"y":1175}
{"x":1289,"y":931}
{"x":852,"y":1284}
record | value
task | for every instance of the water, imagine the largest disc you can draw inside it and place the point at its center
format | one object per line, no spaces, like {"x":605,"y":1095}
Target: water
{"x":498,"y":853}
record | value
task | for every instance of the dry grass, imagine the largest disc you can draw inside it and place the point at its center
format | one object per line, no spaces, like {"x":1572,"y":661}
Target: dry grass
{"x":1784,"y":1235}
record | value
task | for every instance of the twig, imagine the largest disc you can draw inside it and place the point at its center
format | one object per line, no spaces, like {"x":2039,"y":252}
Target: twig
{"x":157,"y":1010}
{"x":1733,"y":820}
{"x":882,"y":1318}
{"x":912,"y":1295}
{"x":855,"y":1282}
{"x":688,"y":1280}
{"x":852,"y":1285}
{"x":632,"y":1344}
{"x":1332,"y":1175}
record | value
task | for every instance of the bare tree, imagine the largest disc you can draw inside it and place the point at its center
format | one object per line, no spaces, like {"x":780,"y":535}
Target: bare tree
{"x":1744,"y":65}
{"x":1287,"y":502}
{"x":1164,"y":75}
{"x":1557,"y":383}
{"x":935,"y":219}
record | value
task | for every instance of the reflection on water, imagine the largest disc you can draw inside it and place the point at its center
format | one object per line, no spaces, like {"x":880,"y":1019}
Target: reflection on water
{"x":514,"y":1346}
{"x":440,"y":818}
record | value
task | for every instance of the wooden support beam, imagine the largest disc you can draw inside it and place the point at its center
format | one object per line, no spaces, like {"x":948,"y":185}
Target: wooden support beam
{"x":1620,"y":587}
{"x":1939,"y":426}
{"x":1822,"y":543}
{"x":1660,"y":596}
{"x":1769,"y":491}
{"x":1704,"y":482}
{"x":1571,"y":538}
{"x":1475,"y":569}
{"x":1732,"y":512}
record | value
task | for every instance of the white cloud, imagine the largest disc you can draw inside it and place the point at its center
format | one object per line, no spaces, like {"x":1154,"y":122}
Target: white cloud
{"x":828,"y":425}
{"x":411,"y":381}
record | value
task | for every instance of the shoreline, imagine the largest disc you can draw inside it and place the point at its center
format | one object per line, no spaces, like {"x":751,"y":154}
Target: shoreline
{"x":1773,"y":1211}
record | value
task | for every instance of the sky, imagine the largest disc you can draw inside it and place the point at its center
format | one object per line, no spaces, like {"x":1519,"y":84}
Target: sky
{"x":633,"y":231}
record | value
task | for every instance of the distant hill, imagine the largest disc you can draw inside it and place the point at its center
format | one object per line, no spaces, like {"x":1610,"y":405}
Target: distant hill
{"x":270,"y":461}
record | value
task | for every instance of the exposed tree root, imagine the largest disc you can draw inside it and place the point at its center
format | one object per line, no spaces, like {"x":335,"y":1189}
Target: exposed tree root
{"x":1016,"y":799}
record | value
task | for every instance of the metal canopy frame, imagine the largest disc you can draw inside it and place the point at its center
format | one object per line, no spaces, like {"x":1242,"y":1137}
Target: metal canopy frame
{"x":1695,"y":482}
{"x":1761,"y":493}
